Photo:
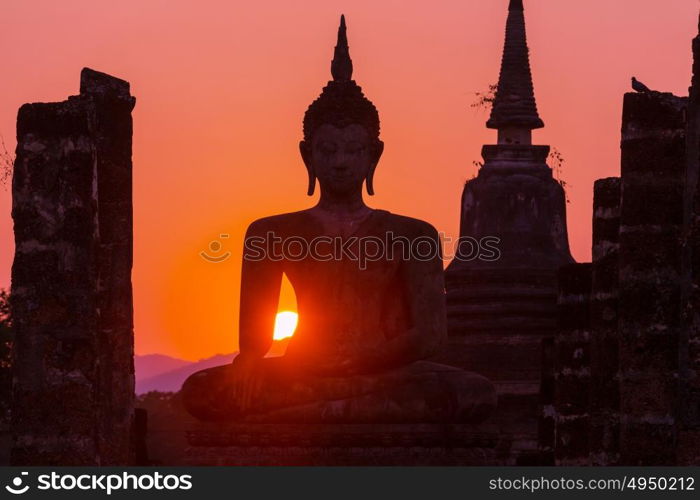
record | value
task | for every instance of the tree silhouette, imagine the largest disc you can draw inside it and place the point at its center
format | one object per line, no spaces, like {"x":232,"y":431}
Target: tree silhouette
{"x":484,"y":100}
{"x":7,"y":161}
{"x":556,"y":160}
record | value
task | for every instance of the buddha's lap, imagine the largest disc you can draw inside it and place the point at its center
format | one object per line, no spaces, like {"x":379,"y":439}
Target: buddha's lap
{"x":207,"y":394}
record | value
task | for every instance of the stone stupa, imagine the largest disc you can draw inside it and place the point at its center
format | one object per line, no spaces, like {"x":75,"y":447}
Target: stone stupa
{"x":499,"y":311}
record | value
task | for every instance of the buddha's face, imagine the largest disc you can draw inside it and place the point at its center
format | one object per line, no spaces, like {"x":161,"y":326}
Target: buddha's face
{"x":341,"y":158}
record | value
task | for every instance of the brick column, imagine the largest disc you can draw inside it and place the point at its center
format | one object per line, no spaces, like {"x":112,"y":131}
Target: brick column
{"x":547,"y":419}
{"x":651,"y":217}
{"x":572,"y":365}
{"x":604,"y":389}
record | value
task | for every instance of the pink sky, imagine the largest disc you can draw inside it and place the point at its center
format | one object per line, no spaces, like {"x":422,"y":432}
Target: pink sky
{"x":221,"y":90}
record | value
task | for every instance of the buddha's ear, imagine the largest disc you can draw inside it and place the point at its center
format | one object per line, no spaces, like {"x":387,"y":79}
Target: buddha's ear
{"x":305,"y":151}
{"x":370,"y":180}
{"x":378,"y":150}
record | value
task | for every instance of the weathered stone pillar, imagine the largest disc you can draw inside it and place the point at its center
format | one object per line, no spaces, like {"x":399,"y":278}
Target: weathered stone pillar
{"x":651,"y":217}
{"x":71,"y":295}
{"x":604,"y":388}
{"x":572,"y":365}
{"x":689,"y":437}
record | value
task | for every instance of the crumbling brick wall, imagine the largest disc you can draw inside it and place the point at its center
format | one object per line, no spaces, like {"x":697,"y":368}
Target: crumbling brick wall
{"x":638,"y":407}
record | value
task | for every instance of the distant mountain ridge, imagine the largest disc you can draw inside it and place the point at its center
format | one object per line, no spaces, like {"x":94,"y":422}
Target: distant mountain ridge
{"x":151,"y":365}
{"x":171,"y":379}
{"x":158,"y":372}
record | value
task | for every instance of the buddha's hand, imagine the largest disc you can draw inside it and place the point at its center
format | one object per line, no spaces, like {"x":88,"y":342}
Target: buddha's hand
{"x":355,"y":353}
{"x":345,"y":364}
{"x":246,"y":381}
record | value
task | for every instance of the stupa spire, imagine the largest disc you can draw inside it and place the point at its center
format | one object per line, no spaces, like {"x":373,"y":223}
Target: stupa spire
{"x":514,"y":108}
{"x":341,"y":66}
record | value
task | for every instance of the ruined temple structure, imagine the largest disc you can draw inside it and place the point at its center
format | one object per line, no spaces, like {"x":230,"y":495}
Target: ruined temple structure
{"x":499,"y":311}
{"x":621,"y":384}
{"x":73,"y":387}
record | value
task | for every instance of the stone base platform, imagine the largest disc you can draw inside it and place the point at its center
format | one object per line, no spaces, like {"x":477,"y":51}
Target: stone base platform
{"x":342,"y":444}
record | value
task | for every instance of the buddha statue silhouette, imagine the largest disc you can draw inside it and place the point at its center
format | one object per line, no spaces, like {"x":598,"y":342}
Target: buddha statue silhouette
{"x":368,"y":318}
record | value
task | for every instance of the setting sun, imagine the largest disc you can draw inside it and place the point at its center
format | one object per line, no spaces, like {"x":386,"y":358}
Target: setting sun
{"x":285,"y":324}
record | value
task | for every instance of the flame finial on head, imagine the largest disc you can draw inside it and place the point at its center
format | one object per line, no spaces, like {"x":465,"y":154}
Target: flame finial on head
{"x":341,"y":66}
{"x":342,"y":101}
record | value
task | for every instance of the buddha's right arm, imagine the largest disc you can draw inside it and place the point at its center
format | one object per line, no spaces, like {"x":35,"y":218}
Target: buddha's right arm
{"x":261,"y":279}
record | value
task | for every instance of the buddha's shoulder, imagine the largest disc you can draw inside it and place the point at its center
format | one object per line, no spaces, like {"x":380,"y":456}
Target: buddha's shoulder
{"x":408,"y":226}
{"x":400,"y":225}
{"x":279,"y":222}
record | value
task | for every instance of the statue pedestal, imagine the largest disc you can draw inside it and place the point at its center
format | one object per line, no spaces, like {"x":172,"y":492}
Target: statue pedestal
{"x":342,"y":444}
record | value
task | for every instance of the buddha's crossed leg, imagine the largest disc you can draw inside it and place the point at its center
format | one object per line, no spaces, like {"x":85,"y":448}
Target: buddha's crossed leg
{"x":419,"y":392}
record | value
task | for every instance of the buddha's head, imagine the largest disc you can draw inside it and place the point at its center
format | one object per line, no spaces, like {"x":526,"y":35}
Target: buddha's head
{"x":341,"y":146}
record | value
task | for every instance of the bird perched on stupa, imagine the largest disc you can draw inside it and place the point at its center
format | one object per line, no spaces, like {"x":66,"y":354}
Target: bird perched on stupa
{"x":639,"y":86}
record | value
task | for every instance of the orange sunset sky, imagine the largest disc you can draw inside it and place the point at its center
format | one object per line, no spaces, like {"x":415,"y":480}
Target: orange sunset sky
{"x":222,"y":87}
